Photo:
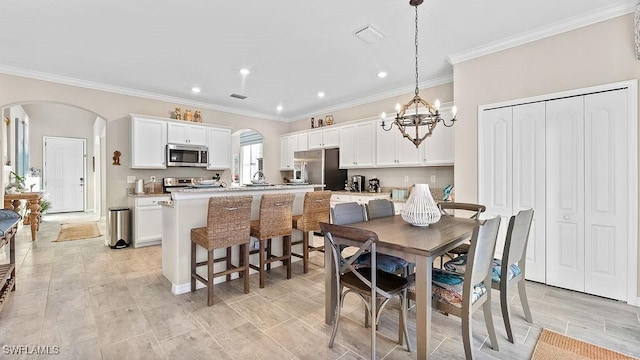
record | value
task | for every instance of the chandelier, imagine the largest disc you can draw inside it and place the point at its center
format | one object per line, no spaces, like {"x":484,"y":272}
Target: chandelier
{"x":417,"y":112}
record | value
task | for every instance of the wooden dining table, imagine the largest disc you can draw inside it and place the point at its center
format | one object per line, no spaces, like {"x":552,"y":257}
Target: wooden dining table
{"x":419,"y":245}
{"x":34,"y":200}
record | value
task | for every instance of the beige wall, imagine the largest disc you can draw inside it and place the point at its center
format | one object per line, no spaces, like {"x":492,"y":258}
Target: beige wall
{"x":115,"y":108}
{"x":598,"y":54}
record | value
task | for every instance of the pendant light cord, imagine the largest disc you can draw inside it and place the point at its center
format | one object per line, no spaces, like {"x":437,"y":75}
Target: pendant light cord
{"x":416,"y":39}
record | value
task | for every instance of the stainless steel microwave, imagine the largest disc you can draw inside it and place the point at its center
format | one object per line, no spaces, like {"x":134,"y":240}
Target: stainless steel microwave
{"x":187,"y":155}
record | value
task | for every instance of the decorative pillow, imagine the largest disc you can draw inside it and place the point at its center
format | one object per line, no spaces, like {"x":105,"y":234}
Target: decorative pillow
{"x":387,"y":263}
{"x":459,"y":264}
{"x":447,"y":288}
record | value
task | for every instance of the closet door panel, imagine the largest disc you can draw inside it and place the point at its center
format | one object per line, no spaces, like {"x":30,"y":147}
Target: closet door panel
{"x":565,"y":193}
{"x":605,"y":194}
{"x":529,"y":180}
{"x":495,"y":168}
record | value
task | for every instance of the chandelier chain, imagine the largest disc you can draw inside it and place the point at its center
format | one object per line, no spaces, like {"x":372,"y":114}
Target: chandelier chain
{"x":416,"y":41}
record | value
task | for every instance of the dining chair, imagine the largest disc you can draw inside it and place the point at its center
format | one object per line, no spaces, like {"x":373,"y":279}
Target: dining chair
{"x":315,"y":209}
{"x":447,"y":209}
{"x":374,"y":287}
{"x":515,"y":256}
{"x":228,"y":220}
{"x":378,"y":208}
{"x":462,"y":294}
{"x":274,"y":220}
{"x":352,"y":212}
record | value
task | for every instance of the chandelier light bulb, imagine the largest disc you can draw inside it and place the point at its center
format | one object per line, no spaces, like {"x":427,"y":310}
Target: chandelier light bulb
{"x":454,"y":111}
{"x":436,"y":105}
{"x":383,"y":115}
{"x":397,"y":107}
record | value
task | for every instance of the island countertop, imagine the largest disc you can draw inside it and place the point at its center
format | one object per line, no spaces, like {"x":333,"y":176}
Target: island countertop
{"x":194,"y":193}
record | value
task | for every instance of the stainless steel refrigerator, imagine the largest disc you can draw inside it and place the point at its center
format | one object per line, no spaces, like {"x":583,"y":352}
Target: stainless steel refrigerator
{"x":320,"y":167}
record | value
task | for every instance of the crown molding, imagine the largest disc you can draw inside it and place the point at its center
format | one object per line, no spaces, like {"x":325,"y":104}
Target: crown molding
{"x":376,"y":97}
{"x":590,"y":18}
{"x":37,"y":75}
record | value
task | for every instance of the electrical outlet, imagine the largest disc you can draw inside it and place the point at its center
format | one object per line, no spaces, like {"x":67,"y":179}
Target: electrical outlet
{"x":131,"y":179}
{"x":406,"y":178}
{"x":152,"y":178}
{"x":433,"y":178}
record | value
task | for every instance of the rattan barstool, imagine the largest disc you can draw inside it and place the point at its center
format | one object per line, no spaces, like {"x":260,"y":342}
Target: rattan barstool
{"x":228,"y":221}
{"x":315,"y":210}
{"x":274,"y":221}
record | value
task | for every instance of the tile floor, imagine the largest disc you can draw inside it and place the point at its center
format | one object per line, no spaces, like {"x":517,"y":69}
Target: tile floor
{"x":83,"y":300}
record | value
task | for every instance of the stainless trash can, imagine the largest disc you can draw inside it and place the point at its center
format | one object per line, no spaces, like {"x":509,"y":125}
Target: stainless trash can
{"x":119,"y":228}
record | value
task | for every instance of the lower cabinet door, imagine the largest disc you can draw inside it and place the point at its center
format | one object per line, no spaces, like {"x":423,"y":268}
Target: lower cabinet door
{"x":148,"y":226}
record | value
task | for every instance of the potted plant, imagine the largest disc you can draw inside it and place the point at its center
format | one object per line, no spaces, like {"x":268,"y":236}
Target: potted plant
{"x":17,"y":185}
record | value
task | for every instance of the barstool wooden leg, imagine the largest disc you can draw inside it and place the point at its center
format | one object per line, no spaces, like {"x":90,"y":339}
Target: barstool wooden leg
{"x":228,"y":261}
{"x":193,"y":266}
{"x":262,"y":263}
{"x":210,"y":278}
{"x":244,"y":259}
{"x":269,"y":254}
{"x":286,"y":243}
{"x":305,"y":252}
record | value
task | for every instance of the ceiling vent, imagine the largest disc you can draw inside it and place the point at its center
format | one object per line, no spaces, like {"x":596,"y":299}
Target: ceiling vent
{"x":369,"y":34}
{"x":238,"y":96}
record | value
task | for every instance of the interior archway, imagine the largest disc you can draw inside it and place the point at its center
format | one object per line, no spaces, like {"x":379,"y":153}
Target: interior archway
{"x":246,"y":147}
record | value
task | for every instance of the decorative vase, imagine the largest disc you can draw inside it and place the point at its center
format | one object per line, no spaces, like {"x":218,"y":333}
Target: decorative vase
{"x":420,"y":209}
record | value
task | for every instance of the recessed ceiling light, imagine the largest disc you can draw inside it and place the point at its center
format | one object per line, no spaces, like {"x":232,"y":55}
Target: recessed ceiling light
{"x":382,"y":74}
{"x":320,"y":94}
{"x":195,"y":89}
{"x":244,"y":71}
{"x":279,"y":108}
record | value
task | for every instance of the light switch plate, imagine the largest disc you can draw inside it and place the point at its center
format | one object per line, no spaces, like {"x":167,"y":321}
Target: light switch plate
{"x":433,"y":178}
{"x":152,"y":178}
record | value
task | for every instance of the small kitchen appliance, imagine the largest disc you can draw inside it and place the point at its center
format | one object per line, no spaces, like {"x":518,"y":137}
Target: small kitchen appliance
{"x":374,"y":185}
{"x":139,"y":187}
{"x":358,"y":183}
{"x":187,"y":155}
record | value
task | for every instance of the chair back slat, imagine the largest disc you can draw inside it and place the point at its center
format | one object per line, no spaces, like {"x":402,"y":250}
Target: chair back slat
{"x":228,"y":219}
{"x":480,"y":256}
{"x":347,"y":213}
{"x":452,"y":206}
{"x":517,"y":234}
{"x":378,"y":208}
{"x":275,"y":215}
{"x":315,"y":210}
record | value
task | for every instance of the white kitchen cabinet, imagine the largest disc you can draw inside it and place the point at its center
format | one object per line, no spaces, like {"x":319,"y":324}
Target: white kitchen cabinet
{"x":303,"y":141}
{"x":324,"y":138}
{"x":438,"y":148}
{"x":146,"y":221}
{"x":357,"y":145}
{"x":187,"y":134}
{"x":148,"y":143}
{"x":360,"y":198}
{"x":219,"y":143}
{"x":288,"y":145}
{"x":392,"y":149}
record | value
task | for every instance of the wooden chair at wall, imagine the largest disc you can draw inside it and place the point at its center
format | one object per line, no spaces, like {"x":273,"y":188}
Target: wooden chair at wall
{"x":462,"y":294}
{"x":446,"y":209}
{"x":274,"y":221}
{"x":315,"y":210}
{"x":515,"y":258}
{"x":374,"y":287}
{"x":228,"y":220}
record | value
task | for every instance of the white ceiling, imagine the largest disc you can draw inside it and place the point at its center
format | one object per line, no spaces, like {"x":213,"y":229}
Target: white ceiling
{"x":293,"y":48}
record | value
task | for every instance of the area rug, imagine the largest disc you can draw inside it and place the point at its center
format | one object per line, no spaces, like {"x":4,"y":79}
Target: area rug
{"x":552,"y":346}
{"x":77,"y":231}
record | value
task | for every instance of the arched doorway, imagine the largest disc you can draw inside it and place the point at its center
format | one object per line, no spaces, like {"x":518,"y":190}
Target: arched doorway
{"x":247,"y":155}
{"x":23,"y":150}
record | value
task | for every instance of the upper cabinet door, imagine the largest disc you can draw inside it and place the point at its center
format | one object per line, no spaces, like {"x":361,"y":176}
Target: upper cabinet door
{"x":347,"y":146}
{"x":187,"y":134}
{"x":315,"y":139}
{"x":219,"y":143}
{"x":386,"y":154}
{"x":439,"y":146}
{"x":365,"y":136}
{"x":148,"y":143}
{"x":303,"y":142}
{"x":331,"y":137}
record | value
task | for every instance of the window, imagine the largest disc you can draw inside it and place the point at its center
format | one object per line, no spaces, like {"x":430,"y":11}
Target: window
{"x":250,"y":155}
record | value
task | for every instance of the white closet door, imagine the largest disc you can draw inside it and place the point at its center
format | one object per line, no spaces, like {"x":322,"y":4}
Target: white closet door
{"x":565,"y":192}
{"x":605,"y":194}
{"x":494,"y":168}
{"x":529,"y":180}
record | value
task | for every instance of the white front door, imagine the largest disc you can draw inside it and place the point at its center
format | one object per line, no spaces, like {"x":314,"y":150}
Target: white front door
{"x":64,"y":173}
{"x":565,"y":193}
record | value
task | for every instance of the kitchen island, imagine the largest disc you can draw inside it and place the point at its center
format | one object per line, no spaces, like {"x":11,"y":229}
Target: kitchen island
{"x":188,"y":209}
